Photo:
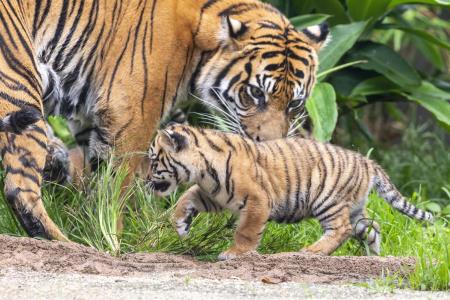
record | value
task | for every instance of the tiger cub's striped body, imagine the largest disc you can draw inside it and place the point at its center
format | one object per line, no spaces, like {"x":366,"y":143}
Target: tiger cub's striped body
{"x":284,"y":180}
{"x":115,"y":68}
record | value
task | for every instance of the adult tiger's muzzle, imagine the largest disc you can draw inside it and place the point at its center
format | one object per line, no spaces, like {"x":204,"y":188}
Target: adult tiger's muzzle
{"x":266,"y":125}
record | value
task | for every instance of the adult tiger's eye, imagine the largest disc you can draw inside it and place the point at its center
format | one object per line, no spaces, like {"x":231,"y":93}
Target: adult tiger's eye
{"x":256,"y":92}
{"x":295,"y":103}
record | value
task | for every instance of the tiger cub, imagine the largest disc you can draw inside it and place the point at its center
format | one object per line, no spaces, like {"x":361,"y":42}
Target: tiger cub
{"x":284,"y":180}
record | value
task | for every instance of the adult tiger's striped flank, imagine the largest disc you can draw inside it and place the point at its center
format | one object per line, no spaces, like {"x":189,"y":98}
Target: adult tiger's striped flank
{"x":285,"y":180}
{"x":114,"y":68}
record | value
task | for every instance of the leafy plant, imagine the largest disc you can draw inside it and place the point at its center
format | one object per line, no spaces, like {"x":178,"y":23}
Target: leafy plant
{"x":378,"y":43}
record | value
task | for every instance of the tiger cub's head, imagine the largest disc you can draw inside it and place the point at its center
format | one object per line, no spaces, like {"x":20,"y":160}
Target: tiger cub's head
{"x":260,"y":70}
{"x":168,"y":155}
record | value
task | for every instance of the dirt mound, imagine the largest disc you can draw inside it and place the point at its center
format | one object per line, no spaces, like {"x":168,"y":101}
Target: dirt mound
{"x":38,"y":255}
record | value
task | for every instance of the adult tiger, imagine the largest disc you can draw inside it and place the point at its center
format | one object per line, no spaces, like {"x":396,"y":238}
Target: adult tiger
{"x":115,"y":68}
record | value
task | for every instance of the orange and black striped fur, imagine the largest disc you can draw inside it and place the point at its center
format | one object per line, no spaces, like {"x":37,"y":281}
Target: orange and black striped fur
{"x":114,"y":68}
{"x":285,"y":180}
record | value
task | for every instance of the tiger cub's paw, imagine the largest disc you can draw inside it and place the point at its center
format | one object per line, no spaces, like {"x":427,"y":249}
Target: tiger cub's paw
{"x":183,"y":217}
{"x":234,"y":253}
{"x":182,"y":227}
{"x":57,"y":165}
{"x":311,"y":251}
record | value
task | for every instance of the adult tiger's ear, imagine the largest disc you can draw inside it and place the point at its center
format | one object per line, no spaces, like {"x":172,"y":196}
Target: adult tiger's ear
{"x":232,"y":30}
{"x":235,"y":28}
{"x":213,"y":31}
{"x":172,"y":141}
{"x":318,"y":35}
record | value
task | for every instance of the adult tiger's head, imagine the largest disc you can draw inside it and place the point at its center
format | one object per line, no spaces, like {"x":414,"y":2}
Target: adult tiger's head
{"x":261,"y":70}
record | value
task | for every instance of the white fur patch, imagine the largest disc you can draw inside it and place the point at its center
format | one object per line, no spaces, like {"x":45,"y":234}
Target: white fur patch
{"x":315,"y":30}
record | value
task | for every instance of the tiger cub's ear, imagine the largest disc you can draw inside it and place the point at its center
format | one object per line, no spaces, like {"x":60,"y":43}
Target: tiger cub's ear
{"x":172,"y":141}
{"x":318,"y":35}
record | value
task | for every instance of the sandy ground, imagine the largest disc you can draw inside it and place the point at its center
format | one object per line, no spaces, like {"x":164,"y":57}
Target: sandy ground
{"x":38,"y":269}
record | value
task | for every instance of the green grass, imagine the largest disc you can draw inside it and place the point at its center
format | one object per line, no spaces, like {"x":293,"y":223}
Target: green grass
{"x":90,"y":217}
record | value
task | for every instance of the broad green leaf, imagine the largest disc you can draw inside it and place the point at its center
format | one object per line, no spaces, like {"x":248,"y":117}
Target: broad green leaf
{"x":433,"y":99}
{"x":339,"y":68}
{"x":387,"y":62}
{"x":343,"y":37}
{"x":428,"y":90}
{"x":302,"y":7}
{"x":322,"y":110}
{"x":361,"y":10}
{"x":395,"y":3}
{"x":61,"y":129}
{"x":433,"y":207}
{"x":374,"y":86}
{"x":344,"y":81}
{"x":420,"y":33}
{"x":431,"y":52}
{"x":446,"y":210}
{"x":333,"y":8}
{"x":301,"y":22}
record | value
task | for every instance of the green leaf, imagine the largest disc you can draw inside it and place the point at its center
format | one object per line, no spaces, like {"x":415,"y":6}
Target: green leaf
{"x":339,"y":68}
{"x":395,"y":3}
{"x":387,"y":62}
{"x":374,"y":86}
{"x":446,"y":210}
{"x":428,"y":90}
{"x":433,"y":207}
{"x":322,"y":110}
{"x":433,"y":99}
{"x":302,"y":7}
{"x":334,"y":8}
{"x":361,"y":10}
{"x":420,"y":33}
{"x":343,"y":39}
{"x":431,"y":52}
{"x":301,"y":22}
{"x":61,"y":129}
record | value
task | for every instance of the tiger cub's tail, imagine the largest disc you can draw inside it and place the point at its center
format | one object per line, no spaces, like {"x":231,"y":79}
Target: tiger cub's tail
{"x":389,"y":192}
{"x":19,"y":120}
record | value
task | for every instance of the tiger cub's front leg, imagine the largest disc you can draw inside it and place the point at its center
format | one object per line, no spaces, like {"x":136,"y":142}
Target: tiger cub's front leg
{"x":57,"y":164}
{"x":193,"y":201}
{"x":254,"y":214}
{"x":63,"y":165}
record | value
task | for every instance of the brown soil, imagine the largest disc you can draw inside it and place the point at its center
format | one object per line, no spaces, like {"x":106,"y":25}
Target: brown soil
{"x":57,"y":257}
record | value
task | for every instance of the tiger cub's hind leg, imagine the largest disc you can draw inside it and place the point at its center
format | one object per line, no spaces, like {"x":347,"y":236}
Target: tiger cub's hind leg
{"x":24,"y":158}
{"x":365,"y":229}
{"x":190,"y":204}
{"x":337,"y":229}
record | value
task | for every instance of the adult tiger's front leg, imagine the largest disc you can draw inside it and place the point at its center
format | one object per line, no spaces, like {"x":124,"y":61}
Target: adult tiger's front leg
{"x":23,"y":146}
{"x":24,"y":158}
